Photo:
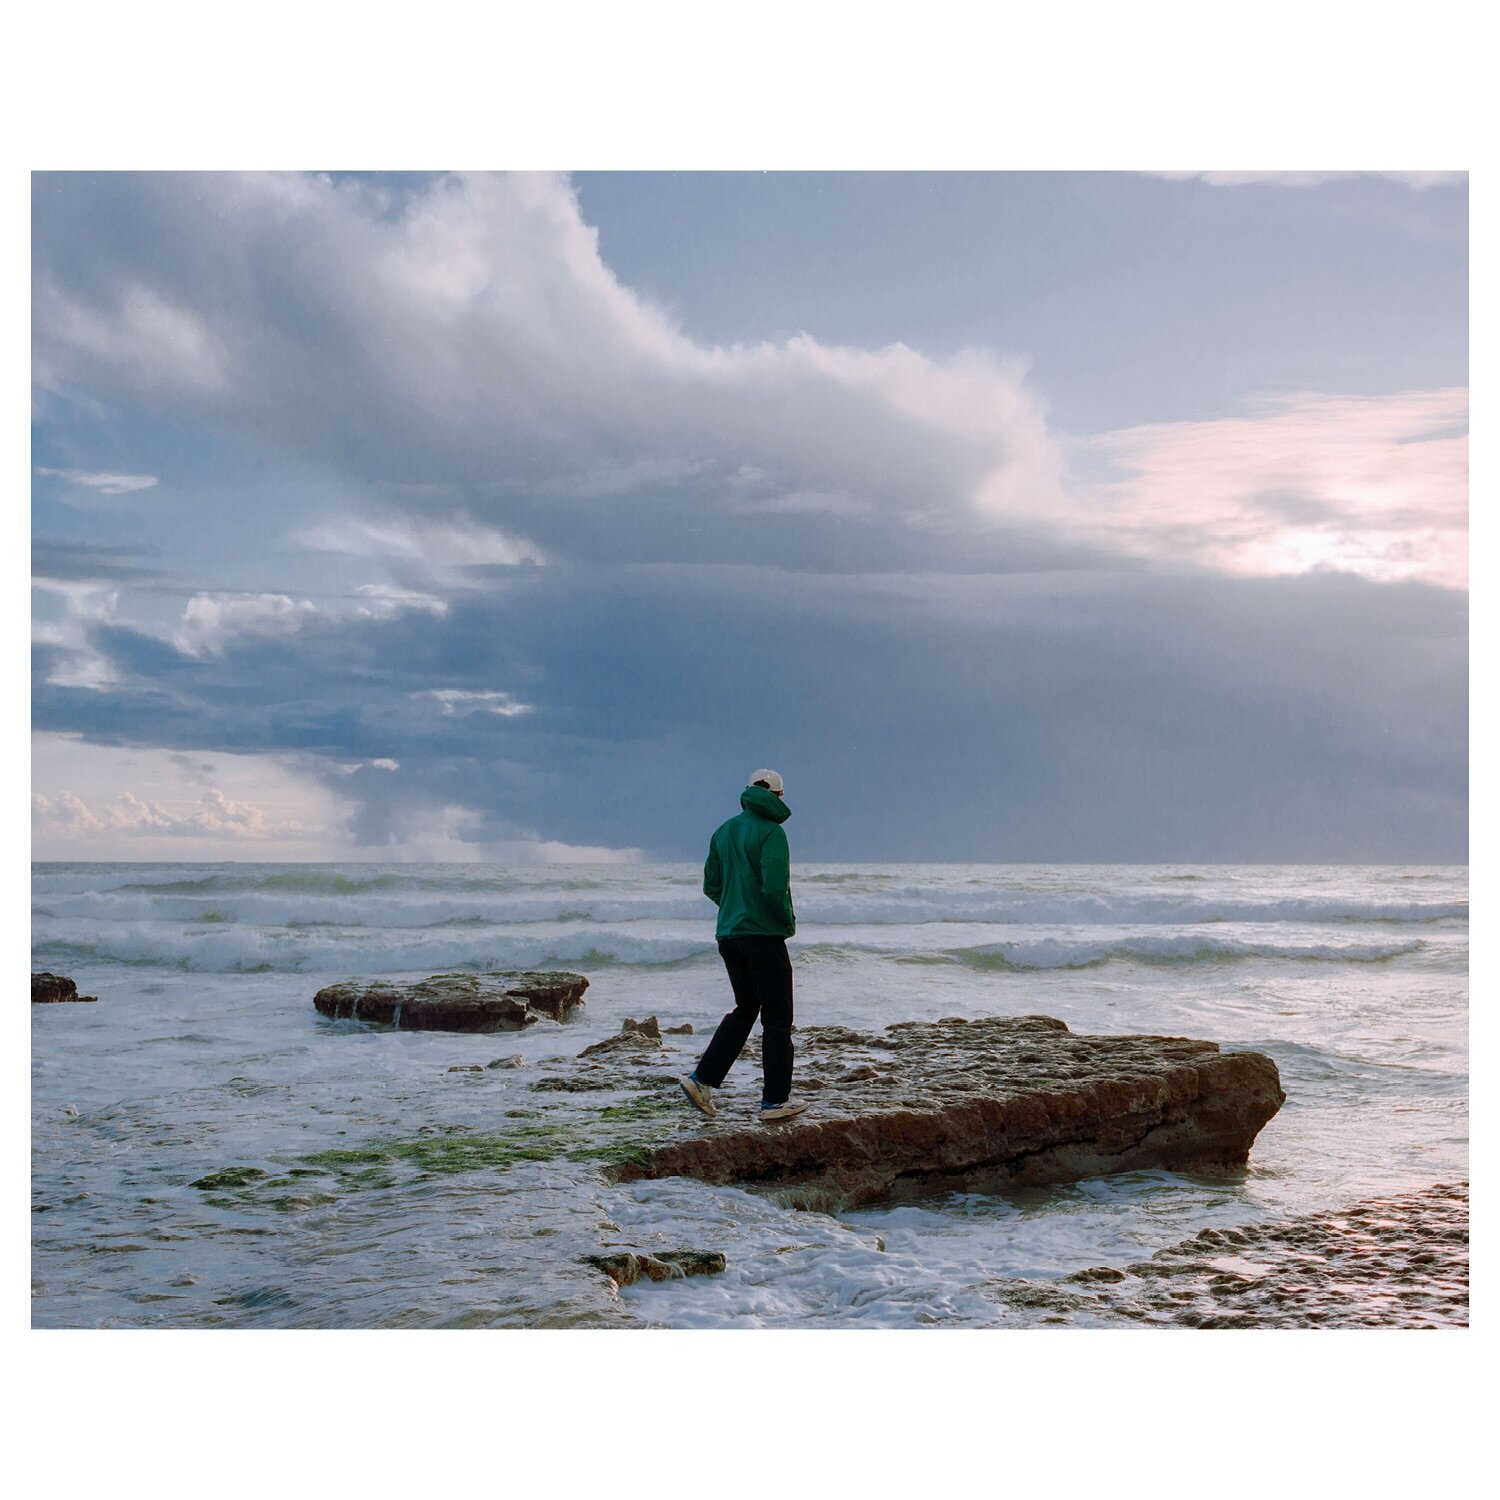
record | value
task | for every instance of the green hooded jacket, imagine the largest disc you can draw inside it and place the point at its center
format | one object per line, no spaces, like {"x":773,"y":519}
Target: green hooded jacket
{"x":748,"y":875}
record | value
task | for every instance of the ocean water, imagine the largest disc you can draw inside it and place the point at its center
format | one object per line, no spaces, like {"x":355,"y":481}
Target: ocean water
{"x":205,"y":1057}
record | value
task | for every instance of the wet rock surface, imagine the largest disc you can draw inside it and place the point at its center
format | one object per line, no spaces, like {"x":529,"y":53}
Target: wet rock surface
{"x":499,"y":1001}
{"x":634,"y":1037}
{"x":56,"y":989}
{"x":928,"y":1108}
{"x":625,"y":1267}
{"x":1397,"y":1262}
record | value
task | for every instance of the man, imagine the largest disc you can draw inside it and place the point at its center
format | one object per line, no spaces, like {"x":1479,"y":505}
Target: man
{"x":748,"y":876}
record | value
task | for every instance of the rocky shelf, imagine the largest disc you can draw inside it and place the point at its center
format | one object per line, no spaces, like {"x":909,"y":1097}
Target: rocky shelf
{"x":926,"y":1108}
{"x":498,"y":1001}
{"x":1391,"y":1262}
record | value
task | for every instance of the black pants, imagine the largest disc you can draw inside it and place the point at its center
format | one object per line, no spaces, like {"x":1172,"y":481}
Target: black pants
{"x":760,"y":973}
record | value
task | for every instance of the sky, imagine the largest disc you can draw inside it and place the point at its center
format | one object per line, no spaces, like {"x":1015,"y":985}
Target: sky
{"x":1010,"y":516}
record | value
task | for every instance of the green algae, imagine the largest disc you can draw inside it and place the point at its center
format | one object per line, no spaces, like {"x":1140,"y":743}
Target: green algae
{"x":648,"y":1107}
{"x":230,"y":1177}
{"x":615,"y":1135}
{"x":451,"y":1151}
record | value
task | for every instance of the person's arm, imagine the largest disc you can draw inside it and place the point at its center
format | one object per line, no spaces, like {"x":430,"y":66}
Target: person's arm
{"x":713,"y":876}
{"x":776,"y":872}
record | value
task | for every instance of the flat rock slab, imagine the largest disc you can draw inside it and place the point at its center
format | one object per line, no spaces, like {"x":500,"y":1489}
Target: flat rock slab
{"x":56,"y":989}
{"x":927,"y":1108}
{"x":498,"y":1001}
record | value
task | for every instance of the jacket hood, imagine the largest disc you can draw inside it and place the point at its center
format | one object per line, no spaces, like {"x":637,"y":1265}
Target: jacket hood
{"x":756,"y":799}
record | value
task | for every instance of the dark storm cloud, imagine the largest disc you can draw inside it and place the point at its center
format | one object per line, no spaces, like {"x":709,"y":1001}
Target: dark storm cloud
{"x":89,"y":562}
{"x":1045,"y":717}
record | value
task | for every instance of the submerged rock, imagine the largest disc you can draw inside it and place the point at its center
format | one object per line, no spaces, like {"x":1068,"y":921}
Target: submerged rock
{"x":633,"y":1036}
{"x":982,"y":1106}
{"x":230,"y":1177}
{"x":627,"y":1266}
{"x":55,"y":989}
{"x":498,"y":1001}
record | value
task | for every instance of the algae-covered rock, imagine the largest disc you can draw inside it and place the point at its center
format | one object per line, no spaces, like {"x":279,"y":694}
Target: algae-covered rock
{"x":230,"y":1177}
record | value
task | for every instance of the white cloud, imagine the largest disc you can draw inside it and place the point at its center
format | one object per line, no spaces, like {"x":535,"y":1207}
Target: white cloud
{"x":167,"y":347}
{"x":437,"y":547}
{"x":496,"y":351}
{"x":85,"y":604}
{"x":454,"y":699}
{"x":69,"y":816}
{"x":384,"y":601}
{"x":105,"y":484}
{"x":211,"y":621}
{"x":104,"y":802}
{"x":471,"y":341}
{"x":1376,"y":485}
{"x":1418,"y":180}
{"x":453,"y":833}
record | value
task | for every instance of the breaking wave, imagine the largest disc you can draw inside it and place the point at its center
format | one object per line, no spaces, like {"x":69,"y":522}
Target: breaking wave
{"x":1059,"y":953}
{"x":216,"y":949}
{"x":406,"y":902}
{"x":397,"y":919}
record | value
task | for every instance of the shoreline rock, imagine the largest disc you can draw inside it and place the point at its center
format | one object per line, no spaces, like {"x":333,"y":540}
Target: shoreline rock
{"x":634,"y":1036}
{"x":628,"y":1266}
{"x":502,"y":1000}
{"x":1397,"y":1261}
{"x":927,"y":1108}
{"x":57,"y":989}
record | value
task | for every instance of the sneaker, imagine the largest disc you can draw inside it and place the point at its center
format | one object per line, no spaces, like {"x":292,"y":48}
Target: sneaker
{"x":700,"y":1096}
{"x":770,"y":1113}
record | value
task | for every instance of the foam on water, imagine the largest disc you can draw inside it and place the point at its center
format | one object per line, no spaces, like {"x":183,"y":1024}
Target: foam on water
{"x":204,"y":1054}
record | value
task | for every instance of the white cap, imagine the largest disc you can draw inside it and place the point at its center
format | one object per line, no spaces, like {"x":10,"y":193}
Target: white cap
{"x":770,"y":778}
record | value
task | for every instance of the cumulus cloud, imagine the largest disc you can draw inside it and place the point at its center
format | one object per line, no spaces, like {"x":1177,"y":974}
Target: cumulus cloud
{"x":105,"y":484}
{"x":128,"y":800}
{"x":1375,"y":485}
{"x":72,"y":658}
{"x":472,"y":336}
{"x":462,"y":351}
{"x":69,"y":816}
{"x":211,"y":623}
